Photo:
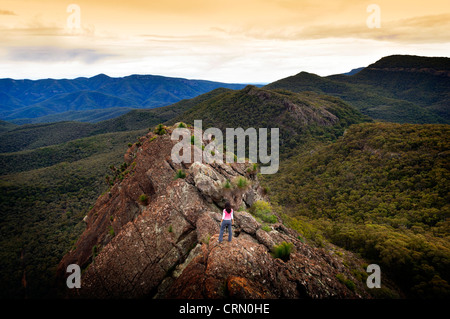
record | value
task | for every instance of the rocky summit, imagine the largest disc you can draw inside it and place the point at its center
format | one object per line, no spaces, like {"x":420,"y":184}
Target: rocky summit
{"x":154,"y":234}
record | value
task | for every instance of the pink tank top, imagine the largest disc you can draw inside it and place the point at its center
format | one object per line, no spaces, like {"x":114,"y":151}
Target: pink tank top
{"x":226,"y":215}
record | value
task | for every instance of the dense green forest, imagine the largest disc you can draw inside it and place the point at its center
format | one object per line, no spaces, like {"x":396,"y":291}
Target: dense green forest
{"x":42,"y":208}
{"x":383,"y":191}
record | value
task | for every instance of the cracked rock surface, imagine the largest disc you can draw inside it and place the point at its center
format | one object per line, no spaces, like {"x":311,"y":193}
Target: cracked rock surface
{"x":167,"y":246}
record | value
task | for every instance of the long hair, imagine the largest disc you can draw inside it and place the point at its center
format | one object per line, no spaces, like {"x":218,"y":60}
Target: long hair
{"x":228,"y":207}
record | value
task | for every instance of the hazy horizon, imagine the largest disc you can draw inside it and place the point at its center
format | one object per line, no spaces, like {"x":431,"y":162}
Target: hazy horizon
{"x":233,"y":41}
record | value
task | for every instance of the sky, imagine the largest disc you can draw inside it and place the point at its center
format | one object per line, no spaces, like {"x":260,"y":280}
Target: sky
{"x":235,"y":41}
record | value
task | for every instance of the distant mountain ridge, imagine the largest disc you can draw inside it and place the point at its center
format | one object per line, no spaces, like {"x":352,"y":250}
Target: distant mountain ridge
{"x":31,"y":99}
{"x":354,"y":71}
{"x":17,"y":138}
{"x":413,"y":62}
{"x":397,"y":88}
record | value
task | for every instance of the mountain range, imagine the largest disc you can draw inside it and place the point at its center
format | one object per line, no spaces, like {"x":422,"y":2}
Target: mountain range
{"x":35,"y":101}
{"x":398,"y":88}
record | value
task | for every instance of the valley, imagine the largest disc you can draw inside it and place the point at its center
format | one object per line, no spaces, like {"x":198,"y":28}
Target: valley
{"x":364,"y":166}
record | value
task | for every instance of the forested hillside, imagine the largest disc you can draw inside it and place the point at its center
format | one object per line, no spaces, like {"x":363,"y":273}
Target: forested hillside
{"x":44,"y":195}
{"x":381,"y":190}
{"x":401,"y":89}
{"x":301,"y":117}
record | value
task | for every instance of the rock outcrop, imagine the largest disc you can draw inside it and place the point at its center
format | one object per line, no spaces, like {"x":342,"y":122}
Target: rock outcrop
{"x":156,"y":236}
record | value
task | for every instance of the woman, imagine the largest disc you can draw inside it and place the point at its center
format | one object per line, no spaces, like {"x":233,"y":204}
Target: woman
{"x":227,"y":221}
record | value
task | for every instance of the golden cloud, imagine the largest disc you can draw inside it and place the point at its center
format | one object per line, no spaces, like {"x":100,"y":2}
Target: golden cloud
{"x":7,"y":13}
{"x":425,"y":29}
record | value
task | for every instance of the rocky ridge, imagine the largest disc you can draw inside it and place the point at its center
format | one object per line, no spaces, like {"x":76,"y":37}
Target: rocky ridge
{"x":156,"y":236}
